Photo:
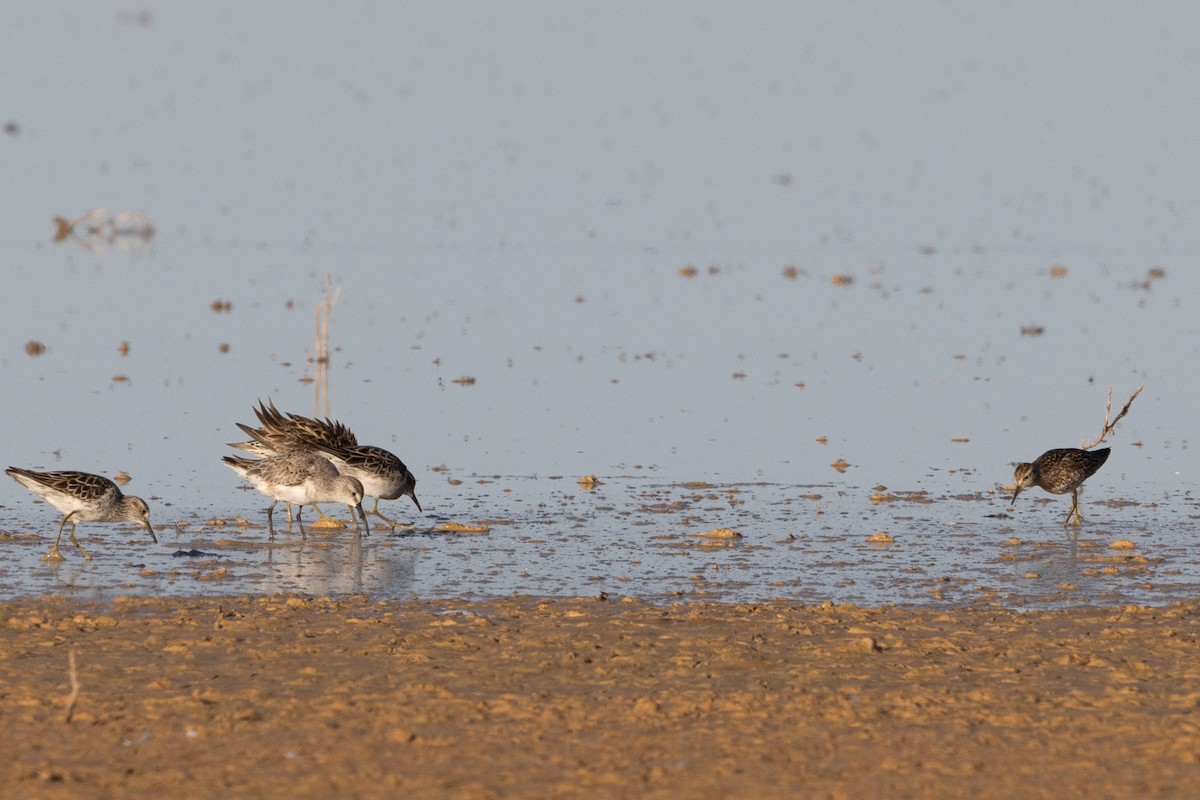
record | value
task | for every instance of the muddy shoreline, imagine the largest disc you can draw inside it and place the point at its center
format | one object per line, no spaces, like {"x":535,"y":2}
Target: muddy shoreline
{"x":311,"y":697}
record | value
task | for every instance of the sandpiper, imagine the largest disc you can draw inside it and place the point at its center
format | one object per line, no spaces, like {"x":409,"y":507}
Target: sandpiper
{"x":383,"y":475}
{"x":1061,"y":471}
{"x":82,"y":497}
{"x":301,"y":477}
{"x":282,"y":434}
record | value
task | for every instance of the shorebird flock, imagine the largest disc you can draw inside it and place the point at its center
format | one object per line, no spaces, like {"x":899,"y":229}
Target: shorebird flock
{"x":304,"y":461}
{"x":300,"y":460}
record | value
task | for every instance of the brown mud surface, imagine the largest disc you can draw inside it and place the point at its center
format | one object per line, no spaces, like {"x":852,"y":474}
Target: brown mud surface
{"x":309,"y":697}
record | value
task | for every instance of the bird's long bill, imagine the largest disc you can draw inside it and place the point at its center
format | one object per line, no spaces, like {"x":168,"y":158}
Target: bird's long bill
{"x":363,"y":514}
{"x":418,"y":502}
{"x":1016,"y":492}
{"x":150,"y":528}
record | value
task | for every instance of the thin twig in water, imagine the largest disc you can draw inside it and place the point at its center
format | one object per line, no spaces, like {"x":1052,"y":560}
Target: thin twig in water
{"x":74,"y":677}
{"x":321,"y":319}
{"x":1109,"y":427}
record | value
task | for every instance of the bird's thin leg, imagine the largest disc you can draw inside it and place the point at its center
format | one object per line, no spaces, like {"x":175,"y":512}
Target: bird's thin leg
{"x":271,"y":521}
{"x":317,"y":508}
{"x":391,"y":522}
{"x":55,"y":554}
{"x":1074,"y":512}
{"x":75,"y":542}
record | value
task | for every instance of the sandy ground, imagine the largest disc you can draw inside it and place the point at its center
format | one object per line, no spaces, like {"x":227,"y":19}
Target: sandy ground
{"x":302,"y":697}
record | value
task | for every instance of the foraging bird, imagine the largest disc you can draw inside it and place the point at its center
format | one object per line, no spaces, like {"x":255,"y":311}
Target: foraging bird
{"x":282,"y":434}
{"x":302,"y":478}
{"x":1061,"y":471}
{"x":83,"y":497}
{"x":382,"y":474}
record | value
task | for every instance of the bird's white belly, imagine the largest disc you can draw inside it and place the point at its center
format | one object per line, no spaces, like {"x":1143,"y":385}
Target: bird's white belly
{"x":301,"y":494}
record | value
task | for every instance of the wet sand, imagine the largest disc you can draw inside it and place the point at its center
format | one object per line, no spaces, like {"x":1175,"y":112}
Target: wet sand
{"x":311,"y":697}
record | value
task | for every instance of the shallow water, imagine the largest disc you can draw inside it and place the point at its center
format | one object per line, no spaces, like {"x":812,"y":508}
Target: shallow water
{"x":654,"y":245}
{"x":640,"y":537}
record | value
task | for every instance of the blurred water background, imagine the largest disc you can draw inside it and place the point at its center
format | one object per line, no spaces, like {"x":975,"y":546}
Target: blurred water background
{"x":672,"y":245}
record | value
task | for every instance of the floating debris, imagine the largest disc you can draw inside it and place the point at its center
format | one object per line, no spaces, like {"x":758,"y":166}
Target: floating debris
{"x":589,"y":482}
{"x":880,"y":538}
{"x":465,"y":380}
{"x":1152,"y":274}
{"x":842,"y":280}
{"x":918,"y":496}
{"x":841,"y":465}
{"x":96,"y":231}
{"x":34,"y":348}
{"x":459,"y":527}
{"x":720,"y":533}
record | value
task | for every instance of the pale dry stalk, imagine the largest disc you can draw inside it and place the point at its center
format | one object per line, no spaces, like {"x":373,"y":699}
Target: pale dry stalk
{"x":1109,"y":427}
{"x":74,"y":678}
{"x":321,"y":319}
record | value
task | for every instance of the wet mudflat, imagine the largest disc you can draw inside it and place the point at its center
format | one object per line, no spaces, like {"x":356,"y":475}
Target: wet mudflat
{"x":312,"y":697}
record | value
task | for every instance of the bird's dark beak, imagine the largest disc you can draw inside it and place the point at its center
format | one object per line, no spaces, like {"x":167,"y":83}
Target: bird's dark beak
{"x":150,"y":528}
{"x":363,"y":514}
{"x":1016,"y":492}
{"x":417,"y":502}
